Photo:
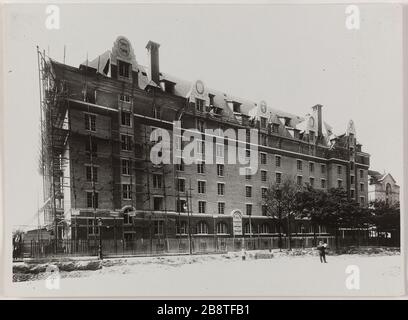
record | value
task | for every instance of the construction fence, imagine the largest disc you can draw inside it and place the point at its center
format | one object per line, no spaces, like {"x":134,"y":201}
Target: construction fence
{"x":197,"y":245}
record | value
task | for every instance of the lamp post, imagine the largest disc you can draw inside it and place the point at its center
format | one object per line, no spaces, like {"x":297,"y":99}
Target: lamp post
{"x":100,"y":239}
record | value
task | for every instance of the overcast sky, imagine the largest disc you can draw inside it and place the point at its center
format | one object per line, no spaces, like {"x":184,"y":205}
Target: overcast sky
{"x":293,"y":57}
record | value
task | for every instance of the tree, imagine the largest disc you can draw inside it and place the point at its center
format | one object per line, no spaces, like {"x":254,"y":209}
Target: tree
{"x":385,"y":217}
{"x":280,"y":201}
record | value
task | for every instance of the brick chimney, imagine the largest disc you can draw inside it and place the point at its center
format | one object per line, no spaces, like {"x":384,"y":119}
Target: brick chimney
{"x":317,"y":111}
{"x":153,"y":56}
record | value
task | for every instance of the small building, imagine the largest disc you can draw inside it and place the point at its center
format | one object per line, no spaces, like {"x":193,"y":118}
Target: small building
{"x":382,"y":186}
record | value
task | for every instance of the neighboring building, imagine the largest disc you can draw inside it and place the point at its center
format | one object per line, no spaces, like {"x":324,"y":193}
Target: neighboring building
{"x":382,"y":186}
{"x":102,"y":115}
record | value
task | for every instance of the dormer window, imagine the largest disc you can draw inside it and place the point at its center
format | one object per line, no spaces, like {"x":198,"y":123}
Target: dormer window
{"x":275,"y":128}
{"x":199,"y":105}
{"x":263,"y":123}
{"x":123,"y":69}
{"x":237,"y":107}
{"x":211,"y":96}
{"x":312,"y":135}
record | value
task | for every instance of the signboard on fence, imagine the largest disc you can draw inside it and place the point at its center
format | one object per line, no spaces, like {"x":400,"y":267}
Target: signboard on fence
{"x":237,"y":223}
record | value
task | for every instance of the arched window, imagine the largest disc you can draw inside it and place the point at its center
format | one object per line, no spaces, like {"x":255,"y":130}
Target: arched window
{"x":182,"y":228}
{"x":202,"y":228}
{"x":127,"y":218}
{"x":249,"y":229}
{"x":388,"y":189}
{"x":222,"y":228}
{"x":264,"y":228}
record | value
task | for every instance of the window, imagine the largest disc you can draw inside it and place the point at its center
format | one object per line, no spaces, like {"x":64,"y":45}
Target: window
{"x":200,"y":147}
{"x":158,"y":227}
{"x":248,"y":191}
{"x":181,"y":205}
{"x":182,"y":228}
{"x":157,"y":181}
{"x":339,"y":170}
{"x":221,"y":189}
{"x":248,"y":153}
{"x":299,"y":180}
{"x":248,"y":228}
{"x":264,"y":228}
{"x":275,"y":128}
{"x":362,"y":200}
{"x":339,"y":183}
{"x":299,"y":165}
{"x":263,"y":123}
{"x":248,"y":136}
{"x":125,"y":118}
{"x":248,"y":209}
{"x":180,"y":166}
{"x":247,"y":173}
{"x":219,"y":150}
{"x":92,"y":201}
{"x":352,"y":180}
{"x":278,"y":177}
{"x":323,"y":183}
{"x":157,"y":203}
{"x":202,"y":228}
{"x":311,"y":166}
{"x":127,"y":219}
{"x":264,"y":210}
{"x":211,"y":96}
{"x":199,"y":105}
{"x":93,"y":228}
{"x":123,"y":68}
{"x":263,"y":158}
{"x":90,"y":122}
{"x":237,"y":107}
{"x":181,"y":185}
{"x":352,"y":193}
{"x":264,"y":175}
{"x":352,"y":166}
{"x":156,"y":113}
{"x":124,"y":98}
{"x":201,"y":186}
{"x":91,"y":173}
{"x":125,"y":166}
{"x":222,"y":228}
{"x":264,"y":192}
{"x":323,"y":168}
{"x":264,"y":140}
{"x":220,"y":170}
{"x":311,"y":181}
{"x":126,"y":191}
{"x":278,"y":161}
{"x":362,"y":187}
{"x":201,"y":206}
{"x":201,"y":167}
{"x":200,"y":125}
{"x":361,"y":174}
{"x":311,"y":135}
{"x":91,"y":146}
{"x":221,"y":207}
{"x":126,"y":142}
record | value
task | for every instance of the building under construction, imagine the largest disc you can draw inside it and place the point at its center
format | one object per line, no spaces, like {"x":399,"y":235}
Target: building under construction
{"x":97,"y":123}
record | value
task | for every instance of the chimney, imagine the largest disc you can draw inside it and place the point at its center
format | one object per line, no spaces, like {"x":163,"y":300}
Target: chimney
{"x":153,"y":56}
{"x":317,"y":110}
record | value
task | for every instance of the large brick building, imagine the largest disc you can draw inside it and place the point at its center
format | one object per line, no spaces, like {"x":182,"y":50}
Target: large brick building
{"x":102,"y":116}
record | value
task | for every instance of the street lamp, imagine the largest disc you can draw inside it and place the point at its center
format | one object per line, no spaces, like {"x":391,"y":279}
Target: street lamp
{"x":100,"y":239}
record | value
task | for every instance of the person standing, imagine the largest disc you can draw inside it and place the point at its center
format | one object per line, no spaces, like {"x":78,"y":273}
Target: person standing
{"x":322,"y":251}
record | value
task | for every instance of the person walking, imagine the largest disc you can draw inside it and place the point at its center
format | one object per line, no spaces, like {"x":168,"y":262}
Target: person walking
{"x":322,"y":251}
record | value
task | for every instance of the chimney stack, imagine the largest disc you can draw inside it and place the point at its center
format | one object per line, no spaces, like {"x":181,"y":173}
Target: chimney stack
{"x":317,"y":110}
{"x":153,"y":56}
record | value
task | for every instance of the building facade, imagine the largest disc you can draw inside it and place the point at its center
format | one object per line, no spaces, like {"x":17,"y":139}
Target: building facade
{"x":383,"y":187}
{"x":102,"y":119}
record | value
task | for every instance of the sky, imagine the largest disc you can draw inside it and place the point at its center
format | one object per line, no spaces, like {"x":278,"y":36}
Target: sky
{"x":293,"y":57}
